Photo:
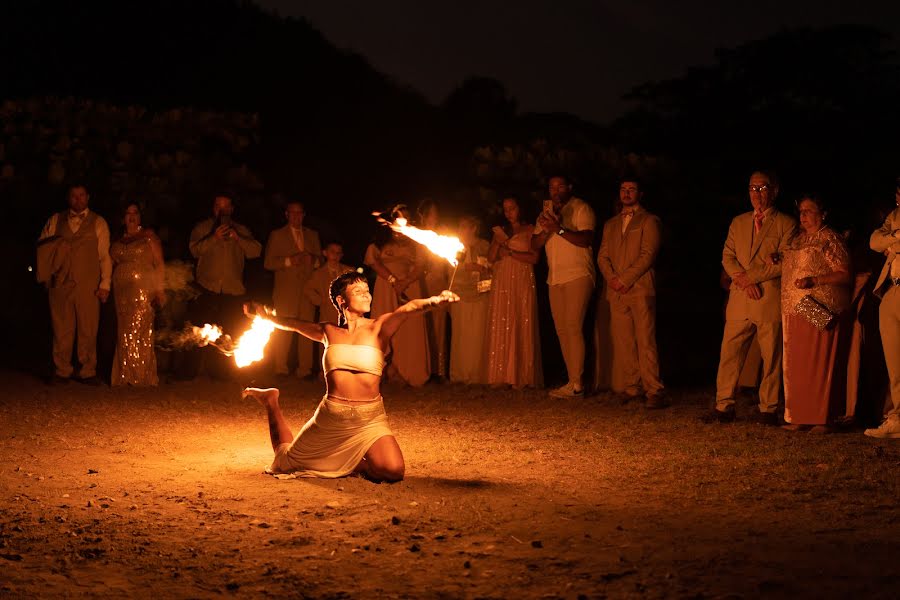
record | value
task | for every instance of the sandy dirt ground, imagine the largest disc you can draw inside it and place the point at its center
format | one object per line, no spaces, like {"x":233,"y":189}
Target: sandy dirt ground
{"x":160,"y":493}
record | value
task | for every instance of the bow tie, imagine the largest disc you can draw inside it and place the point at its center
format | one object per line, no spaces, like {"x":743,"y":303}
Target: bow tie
{"x":75,"y":215}
{"x":628,"y":213}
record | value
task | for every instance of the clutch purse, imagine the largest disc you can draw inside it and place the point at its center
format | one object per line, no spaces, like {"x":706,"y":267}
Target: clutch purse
{"x":816,"y":313}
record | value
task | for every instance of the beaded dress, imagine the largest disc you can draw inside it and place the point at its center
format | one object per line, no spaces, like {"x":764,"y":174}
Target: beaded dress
{"x":135,"y":281}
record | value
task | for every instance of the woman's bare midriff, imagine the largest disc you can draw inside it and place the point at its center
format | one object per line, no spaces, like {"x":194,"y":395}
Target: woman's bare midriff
{"x":351,"y":387}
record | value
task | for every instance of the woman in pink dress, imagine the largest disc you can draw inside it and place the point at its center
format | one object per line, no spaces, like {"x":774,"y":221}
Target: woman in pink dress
{"x":399,"y":264}
{"x":514,"y":356}
{"x":816,"y":264}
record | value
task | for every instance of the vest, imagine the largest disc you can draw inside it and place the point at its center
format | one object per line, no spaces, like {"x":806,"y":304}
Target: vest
{"x":83,"y":262}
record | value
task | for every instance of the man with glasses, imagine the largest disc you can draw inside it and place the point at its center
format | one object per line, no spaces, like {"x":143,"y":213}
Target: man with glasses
{"x":886,"y":240}
{"x":751,"y":257}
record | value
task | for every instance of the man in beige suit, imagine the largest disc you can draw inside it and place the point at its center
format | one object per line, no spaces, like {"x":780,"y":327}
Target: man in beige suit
{"x":627,"y":254}
{"x":751,"y":257}
{"x":78,"y":281}
{"x":886,"y":239}
{"x":293,"y":253}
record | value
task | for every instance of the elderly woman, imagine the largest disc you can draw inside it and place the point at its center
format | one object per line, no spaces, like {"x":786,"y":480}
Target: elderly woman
{"x":349,"y":432}
{"x":137,"y":283}
{"x":815,"y":278}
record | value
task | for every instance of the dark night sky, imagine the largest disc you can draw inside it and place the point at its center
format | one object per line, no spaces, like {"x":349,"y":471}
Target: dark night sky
{"x":576,"y":56}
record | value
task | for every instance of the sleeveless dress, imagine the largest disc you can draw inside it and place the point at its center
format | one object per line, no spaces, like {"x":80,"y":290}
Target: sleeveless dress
{"x":134,"y":282}
{"x":513,"y":338}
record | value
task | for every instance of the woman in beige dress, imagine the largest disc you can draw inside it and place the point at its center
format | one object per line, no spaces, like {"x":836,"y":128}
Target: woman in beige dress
{"x":137,"y":283}
{"x":468,"y":317}
{"x":399,"y":264}
{"x":815,"y":264}
{"x":349,"y":431}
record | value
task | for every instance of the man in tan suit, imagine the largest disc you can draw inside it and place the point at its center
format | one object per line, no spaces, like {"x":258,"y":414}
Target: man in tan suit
{"x":751,"y":257}
{"x":78,"y":280}
{"x":293,"y":252}
{"x":886,"y":239}
{"x":627,"y":254}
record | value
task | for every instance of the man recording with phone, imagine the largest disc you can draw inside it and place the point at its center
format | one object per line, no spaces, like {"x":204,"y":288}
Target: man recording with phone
{"x":565,"y":229}
{"x":220,"y":246}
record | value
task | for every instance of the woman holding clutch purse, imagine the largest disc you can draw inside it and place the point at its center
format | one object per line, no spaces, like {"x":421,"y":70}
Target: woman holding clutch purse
{"x":815,"y":291}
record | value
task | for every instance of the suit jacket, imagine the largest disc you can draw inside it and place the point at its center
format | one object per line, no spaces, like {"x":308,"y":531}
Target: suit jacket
{"x":290,"y":279}
{"x":746,"y":251}
{"x":883,"y":240}
{"x":630,"y":256}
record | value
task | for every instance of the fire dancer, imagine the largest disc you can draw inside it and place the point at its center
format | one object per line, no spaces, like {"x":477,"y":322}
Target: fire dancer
{"x":349,"y":432}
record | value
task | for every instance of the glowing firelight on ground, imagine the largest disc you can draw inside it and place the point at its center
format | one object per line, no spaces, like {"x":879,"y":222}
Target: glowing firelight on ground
{"x":250,"y":347}
{"x":445,"y":246}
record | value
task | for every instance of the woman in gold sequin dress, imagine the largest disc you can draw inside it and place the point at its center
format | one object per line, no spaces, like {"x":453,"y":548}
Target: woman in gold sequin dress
{"x":137,"y":285}
{"x":816,"y":263}
{"x":513,"y":341}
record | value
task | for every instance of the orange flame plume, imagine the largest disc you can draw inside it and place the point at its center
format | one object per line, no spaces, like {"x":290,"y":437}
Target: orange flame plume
{"x":249,"y":348}
{"x":445,"y":246}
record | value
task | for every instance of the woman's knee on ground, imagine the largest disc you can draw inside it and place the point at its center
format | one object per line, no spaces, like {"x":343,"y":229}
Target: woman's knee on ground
{"x":389,"y":468}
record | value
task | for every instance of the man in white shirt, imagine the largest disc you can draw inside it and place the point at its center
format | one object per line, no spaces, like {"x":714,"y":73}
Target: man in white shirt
{"x":565,"y":229}
{"x":79,"y":281}
{"x":886,"y":239}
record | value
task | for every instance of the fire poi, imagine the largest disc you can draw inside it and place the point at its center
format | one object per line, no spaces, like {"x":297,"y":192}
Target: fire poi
{"x":247,"y":350}
{"x":447,"y":247}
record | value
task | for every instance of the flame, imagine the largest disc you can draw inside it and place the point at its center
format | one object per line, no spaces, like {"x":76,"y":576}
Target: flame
{"x":208,"y":333}
{"x":445,"y":246}
{"x":249,"y":348}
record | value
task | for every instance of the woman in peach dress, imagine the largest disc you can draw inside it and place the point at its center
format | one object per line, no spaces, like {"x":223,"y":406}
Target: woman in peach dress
{"x":399,"y":264}
{"x":815,"y":264}
{"x":513,"y":338}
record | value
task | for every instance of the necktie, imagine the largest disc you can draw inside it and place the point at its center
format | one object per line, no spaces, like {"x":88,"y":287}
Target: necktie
{"x":758,"y":221}
{"x":626,"y":218}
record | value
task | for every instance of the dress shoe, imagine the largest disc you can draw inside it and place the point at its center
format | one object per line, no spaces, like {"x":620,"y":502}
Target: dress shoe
{"x":58,"y":380}
{"x":793,"y":427}
{"x":658,"y":400}
{"x":821,"y":430}
{"x":93,"y":380}
{"x":719,"y":416}
{"x":767,"y":418}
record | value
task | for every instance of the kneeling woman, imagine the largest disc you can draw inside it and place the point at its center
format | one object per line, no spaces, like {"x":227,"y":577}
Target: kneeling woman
{"x":349,"y":431}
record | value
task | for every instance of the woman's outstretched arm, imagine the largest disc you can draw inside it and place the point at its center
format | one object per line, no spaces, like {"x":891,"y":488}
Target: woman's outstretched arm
{"x":390,"y":322}
{"x":308,"y":329}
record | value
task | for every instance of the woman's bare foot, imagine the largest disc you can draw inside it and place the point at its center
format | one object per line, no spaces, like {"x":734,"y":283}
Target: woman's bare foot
{"x":265,"y":396}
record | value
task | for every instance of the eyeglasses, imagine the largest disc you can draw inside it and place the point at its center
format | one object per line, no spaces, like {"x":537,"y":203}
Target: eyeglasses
{"x":759,"y":188}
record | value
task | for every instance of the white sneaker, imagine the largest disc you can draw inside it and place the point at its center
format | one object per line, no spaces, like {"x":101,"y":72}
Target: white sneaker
{"x":567,"y":391}
{"x":889,"y":429}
